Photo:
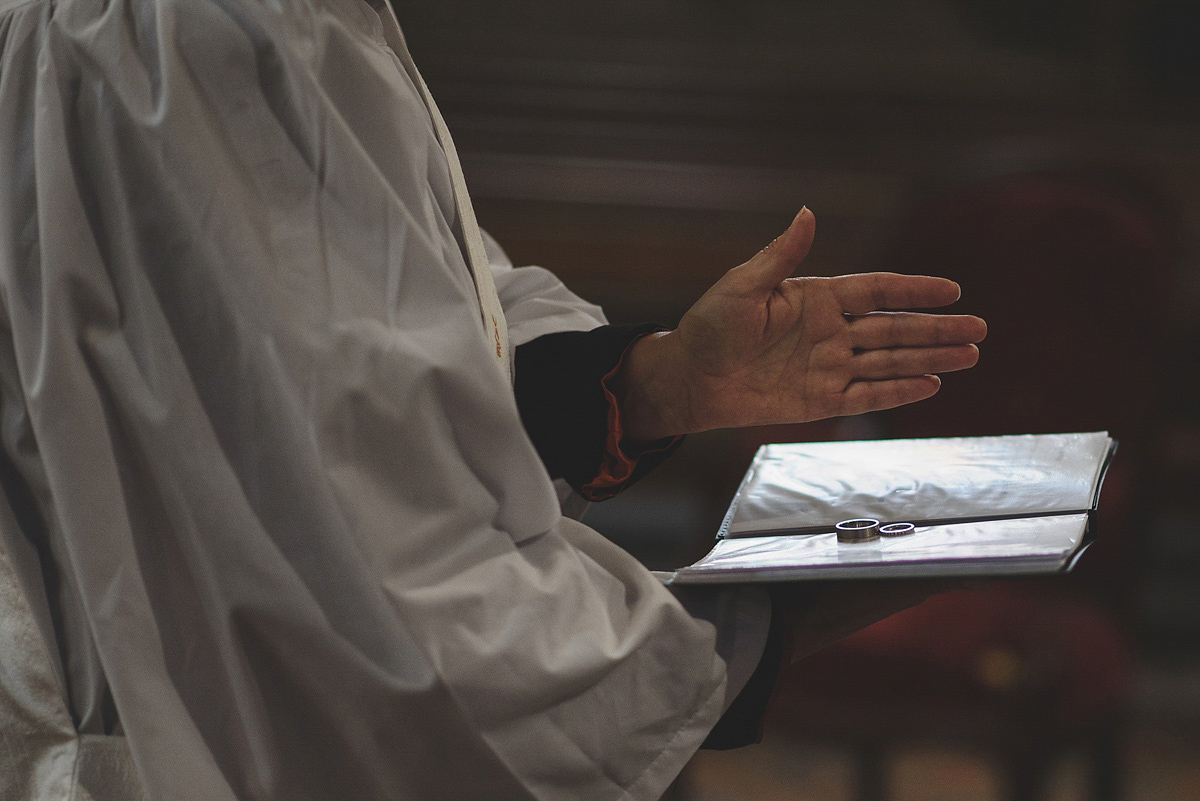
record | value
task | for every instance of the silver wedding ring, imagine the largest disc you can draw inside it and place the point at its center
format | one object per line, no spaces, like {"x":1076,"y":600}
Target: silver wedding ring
{"x":862,"y":529}
{"x":897,"y":529}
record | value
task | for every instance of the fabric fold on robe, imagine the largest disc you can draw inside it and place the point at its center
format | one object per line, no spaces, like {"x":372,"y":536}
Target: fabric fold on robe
{"x":268,"y":485}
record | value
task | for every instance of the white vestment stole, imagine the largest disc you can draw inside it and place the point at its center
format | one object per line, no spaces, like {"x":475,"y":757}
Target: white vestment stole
{"x":477,"y":260}
{"x":42,"y":756}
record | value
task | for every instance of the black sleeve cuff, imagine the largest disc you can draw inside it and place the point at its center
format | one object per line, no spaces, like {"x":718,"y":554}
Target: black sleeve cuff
{"x":560,"y":395}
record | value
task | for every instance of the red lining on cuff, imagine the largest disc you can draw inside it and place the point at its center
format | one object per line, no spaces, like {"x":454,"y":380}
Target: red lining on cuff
{"x":619,"y":460}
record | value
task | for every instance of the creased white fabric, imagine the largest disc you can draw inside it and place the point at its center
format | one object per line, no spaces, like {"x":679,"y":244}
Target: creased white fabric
{"x":535,"y":301}
{"x":261,"y":452}
{"x":491,"y":312}
{"x":37,"y":737}
{"x":42,"y":756}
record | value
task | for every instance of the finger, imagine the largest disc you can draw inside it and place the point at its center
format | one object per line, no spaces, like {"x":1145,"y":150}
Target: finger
{"x":908,"y":329}
{"x":868,"y":292}
{"x":771,"y":265}
{"x":873,"y":396}
{"x":907,"y":362}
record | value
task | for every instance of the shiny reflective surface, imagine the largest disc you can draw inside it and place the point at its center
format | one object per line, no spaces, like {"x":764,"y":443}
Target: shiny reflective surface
{"x":863,"y":529}
{"x":897,"y":529}
{"x":811,"y":486}
{"x":993,"y":547}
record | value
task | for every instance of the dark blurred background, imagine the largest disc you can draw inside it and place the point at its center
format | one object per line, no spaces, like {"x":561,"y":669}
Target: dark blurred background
{"x":1043,"y":153}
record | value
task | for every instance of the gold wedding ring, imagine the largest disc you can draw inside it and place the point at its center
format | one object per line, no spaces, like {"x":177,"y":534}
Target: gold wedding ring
{"x":862,"y":529}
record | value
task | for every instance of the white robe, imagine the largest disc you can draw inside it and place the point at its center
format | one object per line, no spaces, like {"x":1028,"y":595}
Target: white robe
{"x":265,"y":481}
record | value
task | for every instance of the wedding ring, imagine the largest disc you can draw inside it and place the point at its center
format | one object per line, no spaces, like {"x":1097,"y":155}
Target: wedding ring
{"x":861,"y":529}
{"x":897,"y":529}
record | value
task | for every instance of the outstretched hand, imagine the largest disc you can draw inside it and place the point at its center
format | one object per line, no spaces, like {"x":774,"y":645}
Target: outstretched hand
{"x":760,"y":347}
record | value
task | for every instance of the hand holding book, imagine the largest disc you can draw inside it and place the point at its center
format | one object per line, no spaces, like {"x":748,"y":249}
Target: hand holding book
{"x":818,"y":614}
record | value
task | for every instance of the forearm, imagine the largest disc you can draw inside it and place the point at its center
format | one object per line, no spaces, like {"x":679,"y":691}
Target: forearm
{"x":653,"y":402}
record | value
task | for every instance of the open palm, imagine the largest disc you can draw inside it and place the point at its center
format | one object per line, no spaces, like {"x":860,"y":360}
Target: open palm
{"x":760,"y":347}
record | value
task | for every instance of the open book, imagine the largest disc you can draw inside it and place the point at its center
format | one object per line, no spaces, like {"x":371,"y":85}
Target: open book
{"x":981,"y":506}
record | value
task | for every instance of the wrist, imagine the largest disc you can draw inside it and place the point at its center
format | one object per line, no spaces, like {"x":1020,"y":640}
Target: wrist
{"x":652,"y":399}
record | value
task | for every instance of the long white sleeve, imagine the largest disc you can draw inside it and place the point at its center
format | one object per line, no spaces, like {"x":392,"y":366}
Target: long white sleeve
{"x":313,"y":552}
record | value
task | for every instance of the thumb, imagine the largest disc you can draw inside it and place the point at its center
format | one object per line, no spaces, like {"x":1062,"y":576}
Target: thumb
{"x":779,"y":259}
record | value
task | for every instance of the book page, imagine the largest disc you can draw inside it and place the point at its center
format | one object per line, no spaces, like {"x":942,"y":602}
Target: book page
{"x":994,"y":547}
{"x":812,"y":486}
